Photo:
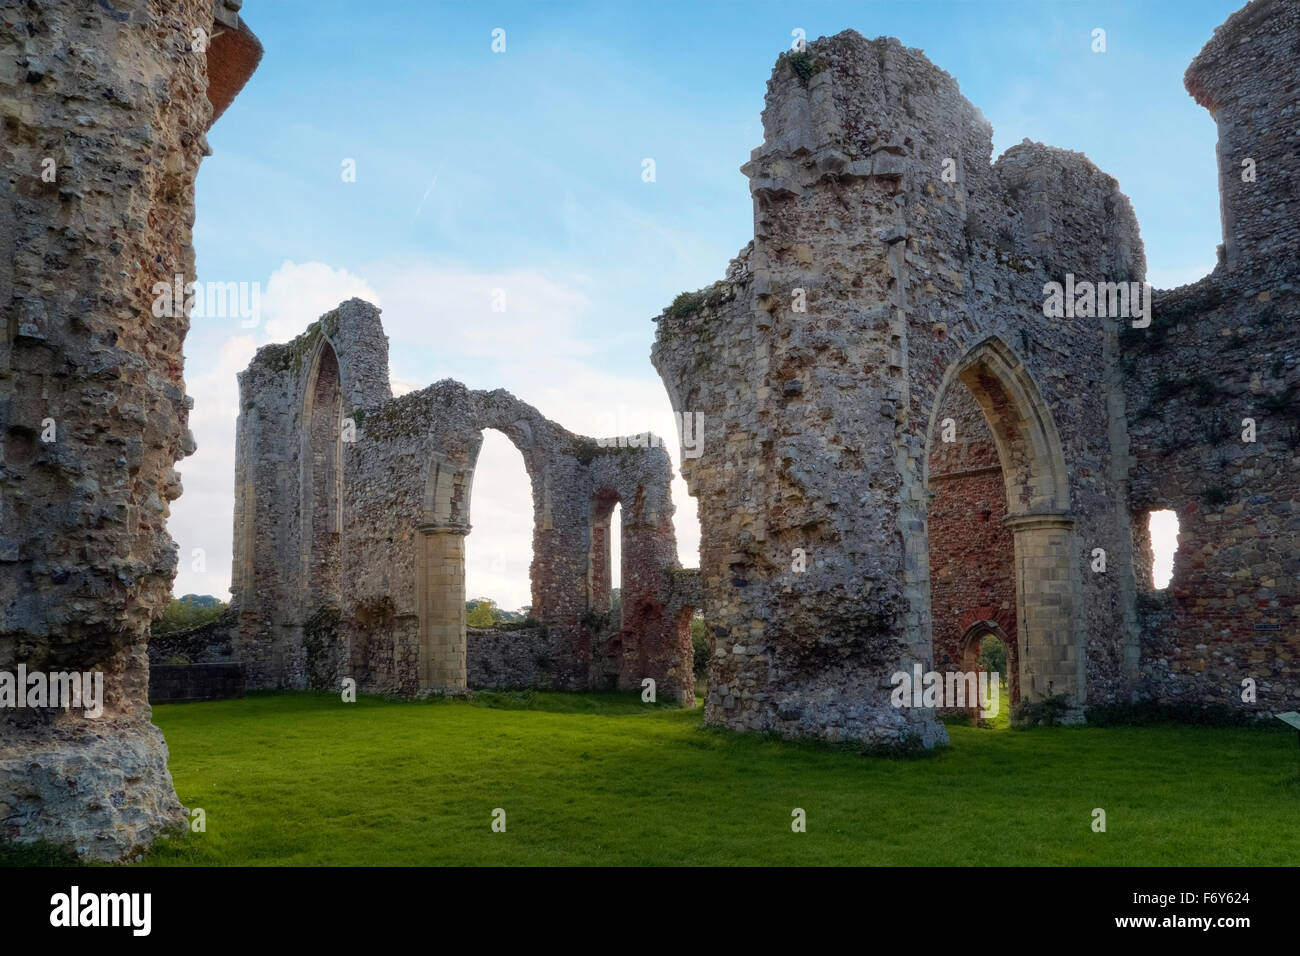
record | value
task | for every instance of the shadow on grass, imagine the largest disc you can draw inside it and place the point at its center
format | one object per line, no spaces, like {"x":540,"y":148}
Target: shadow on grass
{"x":36,"y":854}
{"x":609,"y":703}
{"x":620,"y":703}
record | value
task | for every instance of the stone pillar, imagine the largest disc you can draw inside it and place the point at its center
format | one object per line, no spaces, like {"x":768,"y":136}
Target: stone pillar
{"x":104,"y":111}
{"x":440,"y":578}
{"x":1050,"y":661}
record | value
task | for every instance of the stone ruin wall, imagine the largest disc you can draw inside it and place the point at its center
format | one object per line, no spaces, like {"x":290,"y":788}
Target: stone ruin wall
{"x":972,"y":553}
{"x":120,"y":102}
{"x":819,"y":420}
{"x":273,"y":567}
{"x":818,"y":425}
{"x":1220,"y":351}
{"x":349,"y":555}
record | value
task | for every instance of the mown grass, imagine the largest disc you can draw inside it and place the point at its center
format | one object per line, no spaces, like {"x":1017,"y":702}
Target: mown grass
{"x":605,"y":779}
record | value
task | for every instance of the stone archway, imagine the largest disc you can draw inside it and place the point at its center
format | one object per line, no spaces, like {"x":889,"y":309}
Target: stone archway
{"x":314,"y":657}
{"x":971,"y":647}
{"x":440,"y":553}
{"x":321,"y":464}
{"x":440,"y":574}
{"x":1038,"y":515}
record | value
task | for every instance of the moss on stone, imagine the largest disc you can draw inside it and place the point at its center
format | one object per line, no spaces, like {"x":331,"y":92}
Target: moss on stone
{"x":1169,"y":312}
{"x":687,"y":303}
{"x":804,"y":64}
{"x":1215,"y":496}
{"x":291,"y":355}
{"x":696,"y":305}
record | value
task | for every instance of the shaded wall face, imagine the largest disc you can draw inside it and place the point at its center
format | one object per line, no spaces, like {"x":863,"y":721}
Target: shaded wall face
{"x":1219,"y":353}
{"x":600,"y":577}
{"x":323,"y":483}
{"x":103,"y":130}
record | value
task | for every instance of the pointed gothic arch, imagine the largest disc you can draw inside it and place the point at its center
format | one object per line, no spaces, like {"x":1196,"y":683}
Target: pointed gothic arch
{"x":1049,"y":634}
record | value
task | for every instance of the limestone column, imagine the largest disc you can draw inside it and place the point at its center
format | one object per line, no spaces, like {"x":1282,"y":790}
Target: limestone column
{"x":440,"y":575}
{"x":1050,"y":660}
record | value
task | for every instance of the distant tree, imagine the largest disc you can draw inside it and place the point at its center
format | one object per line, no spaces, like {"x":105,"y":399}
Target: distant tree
{"x":993,"y":655}
{"x":700,"y":645}
{"x":186,"y":612}
{"x":482,"y":612}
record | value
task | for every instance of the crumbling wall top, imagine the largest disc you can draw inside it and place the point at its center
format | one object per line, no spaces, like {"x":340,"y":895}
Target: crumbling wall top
{"x":1226,"y":62}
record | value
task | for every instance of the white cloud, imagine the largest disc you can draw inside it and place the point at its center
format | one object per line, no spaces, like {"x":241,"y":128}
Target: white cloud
{"x":401,"y":386}
{"x":297,"y":295}
{"x":203,"y":516}
{"x":452,"y":310}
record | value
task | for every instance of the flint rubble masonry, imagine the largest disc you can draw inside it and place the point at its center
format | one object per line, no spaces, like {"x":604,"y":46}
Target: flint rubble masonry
{"x":120,"y":101}
{"x":821,"y":425}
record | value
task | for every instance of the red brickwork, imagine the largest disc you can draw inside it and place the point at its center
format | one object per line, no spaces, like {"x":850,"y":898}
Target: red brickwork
{"x":972,"y":577}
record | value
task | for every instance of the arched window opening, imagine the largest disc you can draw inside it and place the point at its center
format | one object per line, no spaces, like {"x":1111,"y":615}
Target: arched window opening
{"x":499,"y":549}
{"x":616,"y":563}
{"x":1163,"y":527}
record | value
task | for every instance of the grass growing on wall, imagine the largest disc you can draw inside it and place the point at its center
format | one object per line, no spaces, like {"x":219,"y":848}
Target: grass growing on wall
{"x":603,"y":778}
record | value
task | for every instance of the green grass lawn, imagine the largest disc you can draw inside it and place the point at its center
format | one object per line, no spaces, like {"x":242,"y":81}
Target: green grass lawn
{"x":605,"y":779}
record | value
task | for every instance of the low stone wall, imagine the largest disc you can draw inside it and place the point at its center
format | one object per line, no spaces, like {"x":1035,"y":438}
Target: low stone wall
{"x":207,"y":643}
{"x":172,"y":683}
{"x":501,"y":659}
{"x":195,"y":663}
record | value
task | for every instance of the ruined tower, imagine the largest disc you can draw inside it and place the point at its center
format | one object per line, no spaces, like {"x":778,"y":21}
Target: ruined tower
{"x":104,"y":110}
{"x":892,"y":265}
{"x":898,"y":280}
{"x":1246,"y":77}
{"x":1212,"y":398}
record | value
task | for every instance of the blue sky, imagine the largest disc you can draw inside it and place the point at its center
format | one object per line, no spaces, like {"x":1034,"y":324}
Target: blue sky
{"x":522,"y":171}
